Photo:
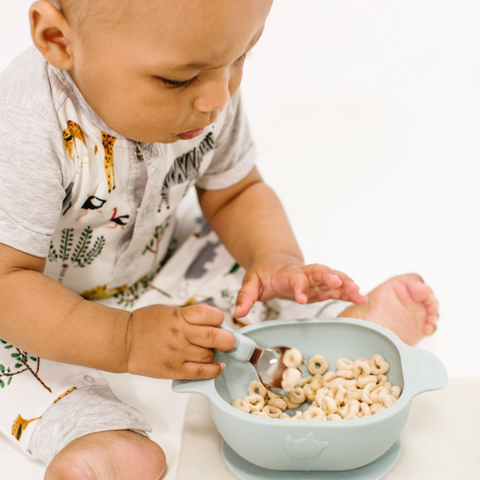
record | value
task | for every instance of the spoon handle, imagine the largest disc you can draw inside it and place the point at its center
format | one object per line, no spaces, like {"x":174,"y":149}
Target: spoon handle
{"x":244,"y":347}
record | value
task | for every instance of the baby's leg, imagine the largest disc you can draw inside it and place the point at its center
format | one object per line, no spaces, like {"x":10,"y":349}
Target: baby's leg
{"x":115,"y":455}
{"x":68,"y":417}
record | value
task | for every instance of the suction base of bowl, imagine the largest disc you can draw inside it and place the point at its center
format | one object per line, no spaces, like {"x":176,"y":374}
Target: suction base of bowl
{"x":374,"y":471}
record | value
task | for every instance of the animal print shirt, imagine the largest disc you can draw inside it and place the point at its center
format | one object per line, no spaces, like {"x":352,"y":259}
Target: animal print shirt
{"x":98,"y":206}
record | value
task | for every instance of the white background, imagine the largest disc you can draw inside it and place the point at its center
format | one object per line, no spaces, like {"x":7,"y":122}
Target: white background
{"x":366,"y":117}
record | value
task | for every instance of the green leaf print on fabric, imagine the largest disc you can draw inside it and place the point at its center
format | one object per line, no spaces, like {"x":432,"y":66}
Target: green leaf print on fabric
{"x":52,"y":254}
{"x":22,"y":364}
{"x":82,"y":256}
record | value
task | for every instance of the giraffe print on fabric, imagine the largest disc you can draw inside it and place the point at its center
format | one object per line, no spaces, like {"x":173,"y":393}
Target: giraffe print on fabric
{"x":70,"y":134}
{"x":108,"y":142}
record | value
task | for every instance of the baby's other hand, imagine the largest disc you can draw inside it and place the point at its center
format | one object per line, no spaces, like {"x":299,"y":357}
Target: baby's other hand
{"x":176,"y":343}
{"x":284,"y":276}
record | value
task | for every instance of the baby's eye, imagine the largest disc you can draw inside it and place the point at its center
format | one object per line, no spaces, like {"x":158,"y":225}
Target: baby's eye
{"x":177,"y":83}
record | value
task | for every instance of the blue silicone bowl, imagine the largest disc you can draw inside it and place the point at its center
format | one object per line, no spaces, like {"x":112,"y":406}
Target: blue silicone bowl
{"x":318,"y":445}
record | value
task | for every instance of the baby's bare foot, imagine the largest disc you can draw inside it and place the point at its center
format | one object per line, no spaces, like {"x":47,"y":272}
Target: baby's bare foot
{"x":113,"y":455}
{"x":404,"y":304}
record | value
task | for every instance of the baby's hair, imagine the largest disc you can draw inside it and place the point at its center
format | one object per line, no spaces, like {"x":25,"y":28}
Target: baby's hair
{"x":84,"y":15}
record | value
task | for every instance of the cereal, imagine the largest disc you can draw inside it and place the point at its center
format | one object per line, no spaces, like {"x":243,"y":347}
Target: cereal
{"x":318,"y":365}
{"x":256,"y":402}
{"x":292,"y":358}
{"x":361,"y":368}
{"x":356,"y":389}
{"x":257,"y":388}
{"x":272,"y":412}
{"x":290,"y":378}
{"x":379,"y":365}
{"x":241,"y":404}
{"x":344,"y":364}
{"x":278,"y":403}
{"x":314,"y":413}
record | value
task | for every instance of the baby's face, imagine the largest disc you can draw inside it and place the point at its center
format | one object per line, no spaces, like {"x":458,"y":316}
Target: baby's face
{"x":168,"y":67}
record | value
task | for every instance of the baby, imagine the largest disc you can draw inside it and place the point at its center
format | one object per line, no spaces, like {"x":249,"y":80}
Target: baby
{"x":105,"y":125}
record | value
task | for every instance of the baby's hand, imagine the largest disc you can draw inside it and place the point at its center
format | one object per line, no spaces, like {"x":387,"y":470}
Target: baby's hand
{"x":284,"y":276}
{"x":176,"y":343}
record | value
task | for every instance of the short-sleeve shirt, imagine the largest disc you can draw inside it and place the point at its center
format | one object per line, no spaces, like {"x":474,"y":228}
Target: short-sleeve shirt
{"x":100,"y":207}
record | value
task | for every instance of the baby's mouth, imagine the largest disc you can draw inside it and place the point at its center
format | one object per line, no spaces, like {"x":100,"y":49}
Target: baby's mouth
{"x":191,"y":134}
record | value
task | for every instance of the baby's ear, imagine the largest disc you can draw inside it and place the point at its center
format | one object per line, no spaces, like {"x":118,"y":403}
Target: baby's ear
{"x":51,"y":34}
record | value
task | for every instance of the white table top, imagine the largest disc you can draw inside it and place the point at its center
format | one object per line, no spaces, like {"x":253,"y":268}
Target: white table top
{"x":440,"y":438}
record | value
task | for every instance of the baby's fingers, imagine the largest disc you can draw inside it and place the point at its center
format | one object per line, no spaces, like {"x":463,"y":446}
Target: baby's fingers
{"x":322,"y":274}
{"x":247,"y":296}
{"x":211,"y":337}
{"x":201,"y":371}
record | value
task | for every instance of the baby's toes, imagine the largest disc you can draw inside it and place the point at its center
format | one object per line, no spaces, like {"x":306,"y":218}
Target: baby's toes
{"x":418,"y":289}
{"x":431,"y":309}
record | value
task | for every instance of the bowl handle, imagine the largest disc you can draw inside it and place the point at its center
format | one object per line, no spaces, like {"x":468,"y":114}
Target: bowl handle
{"x":203,"y":387}
{"x":424,"y":370}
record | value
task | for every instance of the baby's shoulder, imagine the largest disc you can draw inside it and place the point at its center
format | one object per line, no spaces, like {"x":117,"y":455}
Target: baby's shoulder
{"x":26,"y":89}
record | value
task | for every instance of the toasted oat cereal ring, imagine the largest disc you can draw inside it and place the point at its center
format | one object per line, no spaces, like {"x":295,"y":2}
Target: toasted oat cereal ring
{"x":349,"y":383}
{"x":297,"y":395}
{"x":278,"y":403}
{"x":298,"y":415}
{"x":337,"y":393}
{"x":328,"y":405}
{"x":381,"y":379}
{"x":388,"y":400}
{"x":257,"y":388}
{"x":345,"y":374}
{"x":292,"y":358}
{"x":361,"y":369}
{"x":241,"y":404}
{"x":285,"y":416}
{"x":329,"y":377}
{"x":272,"y":395}
{"x":395,"y":391}
{"x":362,"y":359}
{"x":378,"y":365}
{"x":377,"y":408}
{"x":334,"y":417}
{"x":352,"y":407}
{"x":271,"y":411}
{"x":344,"y":364}
{"x":362,"y":381}
{"x":353,"y":393}
{"x":290,"y":405}
{"x":290,"y":378}
{"x":365,"y":397}
{"x":256,"y":402}
{"x":377,"y":394}
{"x":314,"y":413}
{"x":316,"y":382}
{"x":304,"y":381}
{"x":317,"y":365}
{"x":309,"y":393}
{"x":260,"y":414}
{"x":320,"y":393}
{"x":360,"y":415}
{"x":365,"y":408}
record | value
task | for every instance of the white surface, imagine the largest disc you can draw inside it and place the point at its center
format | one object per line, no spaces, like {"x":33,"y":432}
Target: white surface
{"x":432,"y":449}
{"x":366,"y":120}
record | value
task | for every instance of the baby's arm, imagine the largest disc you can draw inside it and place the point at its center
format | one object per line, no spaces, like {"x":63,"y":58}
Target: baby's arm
{"x":45,"y":318}
{"x":251,"y":222}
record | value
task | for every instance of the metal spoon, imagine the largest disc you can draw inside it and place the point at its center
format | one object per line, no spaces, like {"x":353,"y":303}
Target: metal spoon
{"x":268,"y":362}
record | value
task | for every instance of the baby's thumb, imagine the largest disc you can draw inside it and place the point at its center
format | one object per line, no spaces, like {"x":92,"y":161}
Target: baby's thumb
{"x":247,"y":296}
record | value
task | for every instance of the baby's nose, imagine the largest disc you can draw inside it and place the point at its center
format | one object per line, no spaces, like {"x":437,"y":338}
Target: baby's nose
{"x":214,"y":96}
